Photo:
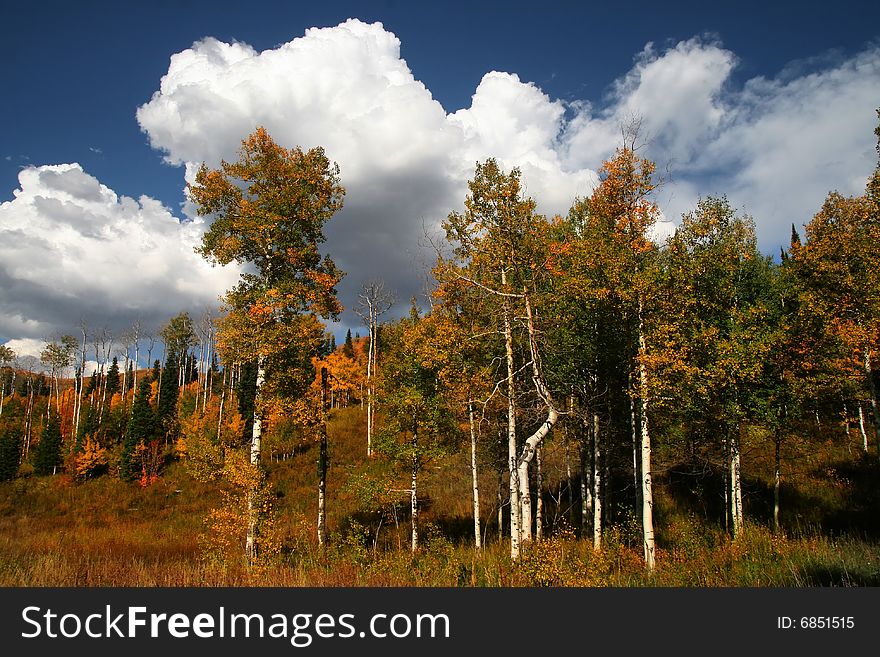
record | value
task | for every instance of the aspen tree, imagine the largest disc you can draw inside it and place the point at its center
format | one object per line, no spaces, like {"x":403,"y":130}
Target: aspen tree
{"x":268,"y":210}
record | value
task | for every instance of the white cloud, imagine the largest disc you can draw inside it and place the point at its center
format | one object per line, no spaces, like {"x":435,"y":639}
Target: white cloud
{"x":71,"y":249}
{"x":774,"y":146}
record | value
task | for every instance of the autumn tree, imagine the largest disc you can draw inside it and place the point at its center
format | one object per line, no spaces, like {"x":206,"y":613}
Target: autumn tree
{"x":374,"y":301}
{"x":838,"y":269}
{"x":601,"y":257}
{"x":268,"y":210}
{"x":418,"y":423}
{"x":711,"y":332}
{"x":499,"y":247}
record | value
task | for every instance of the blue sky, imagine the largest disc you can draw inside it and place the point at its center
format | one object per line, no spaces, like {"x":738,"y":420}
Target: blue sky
{"x":770,"y":103}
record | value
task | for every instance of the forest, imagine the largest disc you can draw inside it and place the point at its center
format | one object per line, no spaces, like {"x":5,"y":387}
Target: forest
{"x":572,"y":403}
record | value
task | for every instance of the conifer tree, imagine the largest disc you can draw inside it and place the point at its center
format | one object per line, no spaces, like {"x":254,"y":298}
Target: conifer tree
{"x":166,"y":407}
{"x":348,"y":347}
{"x":10,"y":454}
{"x":47,"y":455}
{"x":113,"y":381}
{"x":141,"y":428}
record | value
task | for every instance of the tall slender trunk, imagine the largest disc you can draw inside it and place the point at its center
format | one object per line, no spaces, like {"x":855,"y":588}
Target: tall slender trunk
{"x":371,"y":350}
{"x":255,"y":453}
{"x":515,"y":532}
{"x":500,"y":503}
{"x":586,"y":457}
{"x":474,"y":479}
{"x":222,"y":400}
{"x":777,"y":478}
{"x":647,"y":487}
{"x":29,"y":420}
{"x":862,"y":428}
{"x":322,"y":462}
{"x":137,"y":353}
{"x":596,"y":481}
{"x":736,"y":508}
{"x":635,"y":430}
{"x":533,"y":442}
{"x":539,"y":500}
{"x":414,"y":499}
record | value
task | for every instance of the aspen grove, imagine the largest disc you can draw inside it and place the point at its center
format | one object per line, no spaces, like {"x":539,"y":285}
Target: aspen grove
{"x":572,"y":398}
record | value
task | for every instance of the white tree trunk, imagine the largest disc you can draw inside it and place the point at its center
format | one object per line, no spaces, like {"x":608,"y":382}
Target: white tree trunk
{"x":372,"y":340}
{"x":647,"y":487}
{"x":222,"y":400}
{"x":736,"y":508}
{"x":414,"y":499}
{"x":539,"y":500}
{"x":474,"y":479}
{"x":255,"y":453}
{"x":862,"y":428}
{"x":596,"y":481}
{"x":515,"y":533}
{"x":322,"y":463}
{"x":533,"y":442}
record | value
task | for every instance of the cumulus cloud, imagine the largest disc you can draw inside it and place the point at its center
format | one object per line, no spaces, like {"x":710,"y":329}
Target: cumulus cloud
{"x":71,"y":249}
{"x":775,"y":146}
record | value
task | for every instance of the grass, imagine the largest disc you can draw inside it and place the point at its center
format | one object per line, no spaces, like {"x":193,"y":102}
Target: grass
{"x":54,"y":532}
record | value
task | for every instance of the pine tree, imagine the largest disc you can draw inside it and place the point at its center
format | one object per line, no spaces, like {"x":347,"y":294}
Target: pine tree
{"x":93,"y":383}
{"x":47,"y":455}
{"x":166,"y":408}
{"x":141,"y":428}
{"x":113,"y":381}
{"x":10,"y":453}
{"x":348,"y":347}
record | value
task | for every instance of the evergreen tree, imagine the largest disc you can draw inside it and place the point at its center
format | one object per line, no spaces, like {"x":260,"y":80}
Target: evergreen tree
{"x":141,"y":428}
{"x":10,"y":453}
{"x":166,"y":408}
{"x":93,"y":384}
{"x":113,"y":381}
{"x":47,"y":455}
{"x":156,"y":370}
{"x":348,"y":347}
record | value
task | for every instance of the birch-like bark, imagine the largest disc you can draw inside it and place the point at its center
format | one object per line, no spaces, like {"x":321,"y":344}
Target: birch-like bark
{"x":222,"y":400}
{"x":586,"y":482}
{"x":862,"y":428}
{"x":515,"y":532}
{"x":647,"y":487}
{"x":372,"y":340}
{"x":597,"y":484}
{"x":81,"y":383}
{"x":255,"y":452}
{"x":474,"y":479}
{"x":322,"y":462}
{"x":414,"y":499}
{"x":736,"y":508}
{"x":539,"y":500}
{"x":500,"y":503}
{"x":533,"y":442}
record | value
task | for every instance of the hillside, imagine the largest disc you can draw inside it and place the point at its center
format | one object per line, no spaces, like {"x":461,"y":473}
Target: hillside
{"x":105,"y":532}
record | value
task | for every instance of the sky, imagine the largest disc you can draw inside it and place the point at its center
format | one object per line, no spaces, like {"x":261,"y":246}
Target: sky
{"x":108,"y":109}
